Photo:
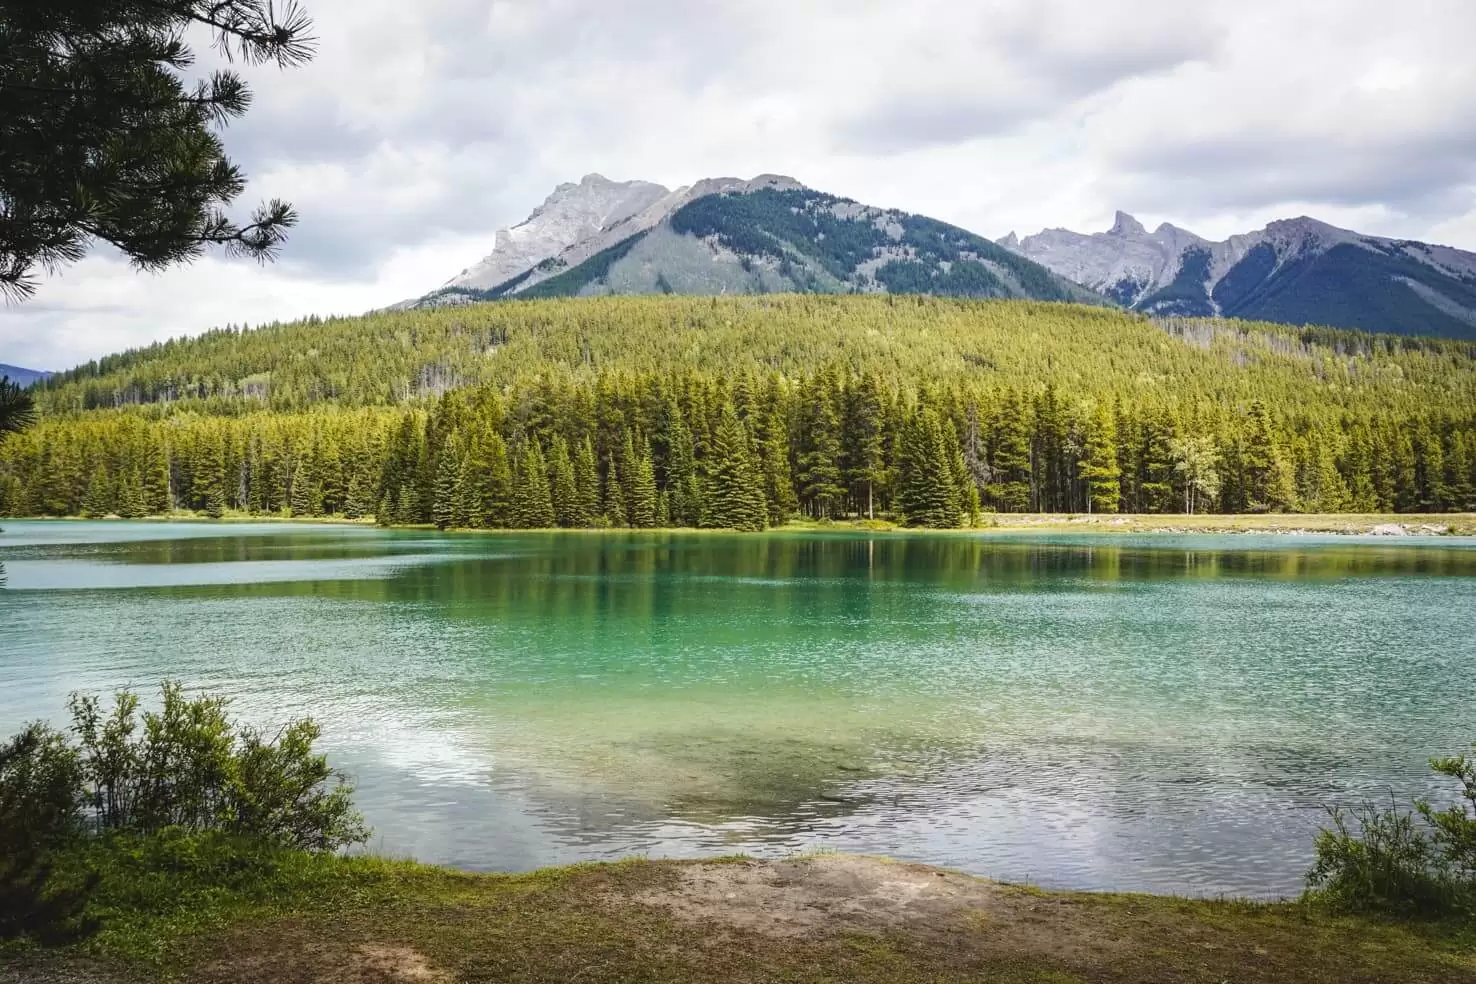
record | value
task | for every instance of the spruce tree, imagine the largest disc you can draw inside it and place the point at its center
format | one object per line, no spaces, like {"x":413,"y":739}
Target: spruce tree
{"x":562,"y":486}
{"x":98,"y":501}
{"x":926,"y":493}
{"x":304,"y":487}
{"x":864,"y":441}
{"x":443,"y":506}
{"x":643,"y":505}
{"x":1049,"y":453}
{"x":966,"y":505}
{"x":586,"y":503}
{"x":733,"y":493}
{"x":1009,"y":458}
{"x":131,"y":504}
{"x":683,"y":494}
{"x":210,"y":477}
{"x":532,"y":507}
{"x":616,"y":510}
{"x":771,"y":444}
{"x":406,"y":509}
{"x":818,"y":456}
{"x":356,"y":503}
{"x":1156,"y":463}
{"x":1098,"y":467}
{"x":490,"y":477}
{"x":158,"y":491}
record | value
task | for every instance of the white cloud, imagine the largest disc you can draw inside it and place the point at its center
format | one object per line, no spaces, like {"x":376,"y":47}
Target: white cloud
{"x":421,"y":128}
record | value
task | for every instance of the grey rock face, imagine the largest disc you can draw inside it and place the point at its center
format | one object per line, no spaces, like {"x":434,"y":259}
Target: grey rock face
{"x":601,"y":236}
{"x":576,"y":222}
{"x":1299,"y":270}
{"x":572,"y":214}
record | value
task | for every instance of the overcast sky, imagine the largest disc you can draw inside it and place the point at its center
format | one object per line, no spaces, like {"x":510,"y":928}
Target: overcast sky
{"x":422,"y":127}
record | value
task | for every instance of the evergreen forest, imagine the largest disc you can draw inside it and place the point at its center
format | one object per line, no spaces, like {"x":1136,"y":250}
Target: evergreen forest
{"x":742,"y":413}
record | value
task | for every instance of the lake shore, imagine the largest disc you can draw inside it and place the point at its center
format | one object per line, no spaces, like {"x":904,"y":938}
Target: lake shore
{"x":821,"y":918}
{"x":1289,"y":524}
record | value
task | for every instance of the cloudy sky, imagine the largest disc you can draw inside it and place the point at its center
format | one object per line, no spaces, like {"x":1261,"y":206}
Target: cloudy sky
{"x":422,"y":127}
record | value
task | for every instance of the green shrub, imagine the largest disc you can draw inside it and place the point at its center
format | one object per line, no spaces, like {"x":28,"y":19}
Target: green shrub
{"x":40,"y":800}
{"x":190,"y":766}
{"x":1454,"y":828}
{"x":1408,"y":862}
{"x":186,"y":769}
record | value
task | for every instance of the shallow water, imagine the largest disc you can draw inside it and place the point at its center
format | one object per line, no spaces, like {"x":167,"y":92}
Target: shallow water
{"x":1163,"y":713}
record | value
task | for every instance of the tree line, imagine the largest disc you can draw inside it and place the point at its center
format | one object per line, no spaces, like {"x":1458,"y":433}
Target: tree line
{"x":397,"y":357}
{"x":694,"y":449}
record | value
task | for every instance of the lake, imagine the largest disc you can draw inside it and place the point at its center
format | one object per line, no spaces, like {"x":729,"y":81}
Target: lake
{"x":1163,"y":713}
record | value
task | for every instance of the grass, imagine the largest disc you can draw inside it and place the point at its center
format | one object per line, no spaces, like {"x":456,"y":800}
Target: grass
{"x":197,"y":911}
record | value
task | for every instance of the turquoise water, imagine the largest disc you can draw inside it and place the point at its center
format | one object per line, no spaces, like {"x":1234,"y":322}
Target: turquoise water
{"x":1162,"y":713}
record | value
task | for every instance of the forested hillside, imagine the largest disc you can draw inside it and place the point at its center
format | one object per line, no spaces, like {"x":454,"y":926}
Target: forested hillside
{"x":742,"y":412}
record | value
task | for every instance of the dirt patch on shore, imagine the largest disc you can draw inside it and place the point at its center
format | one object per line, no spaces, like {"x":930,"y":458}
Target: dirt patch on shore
{"x":398,"y":964}
{"x":298,"y":955}
{"x":830,"y":894}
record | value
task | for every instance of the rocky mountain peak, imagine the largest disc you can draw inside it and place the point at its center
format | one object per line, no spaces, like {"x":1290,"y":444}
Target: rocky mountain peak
{"x":1125,"y":225}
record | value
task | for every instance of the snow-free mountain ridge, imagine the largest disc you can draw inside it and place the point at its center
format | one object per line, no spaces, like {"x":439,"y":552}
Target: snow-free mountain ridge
{"x":772,"y":234}
{"x":1298,"y":271}
{"x":24,"y":377}
{"x":768,"y":234}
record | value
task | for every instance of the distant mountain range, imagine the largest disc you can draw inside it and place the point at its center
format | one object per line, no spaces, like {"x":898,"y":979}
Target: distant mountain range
{"x":772,"y":234}
{"x":24,"y":377}
{"x":1297,"y":271}
{"x":767,"y":235}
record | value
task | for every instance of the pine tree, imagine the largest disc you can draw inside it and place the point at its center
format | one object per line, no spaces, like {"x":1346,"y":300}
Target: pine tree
{"x":1098,"y":468}
{"x":684,"y":497}
{"x":99,"y":498}
{"x":531,"y":506}
{"x":1156,"y":463}
{"x":328,"y":480}
{"x":818,"y":459}
{"x":1357,"y":469}
{"x":626,"y":475}
{"x":1460,"y":472}
{"x":157,"y":489}
{"x":490,"y":481}
{"x":643,"y":505}
{"x":210,"y":478}
{"x":771,"y":445}
{"x":926,"y":493}
{"x":1429,"y":458}
{"x":1048,"y":453}
{"x":864,"y":442}
{"x":448,"y":490}
{"x":562,"y":486}
{"x":616,"y":510}
{"x":733,"y":495}
{"x":356,"y":503}
{"x":131,"y":504}
{"x":967,"y":504}
{"x":1327,"y":492}
{"x":1009,"y":458}
{"x":304,"y":487}
{"x":586,"y":486}
{"x":1270,"y":483}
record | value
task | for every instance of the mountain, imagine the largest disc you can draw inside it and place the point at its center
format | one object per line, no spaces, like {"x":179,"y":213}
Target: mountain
{"x":1295,"y":271}
{"x":767,"y":235}
{"x":24,"y":377}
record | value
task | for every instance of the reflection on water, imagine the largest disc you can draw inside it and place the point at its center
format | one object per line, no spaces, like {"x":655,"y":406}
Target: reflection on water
{"x":1161,"y":712}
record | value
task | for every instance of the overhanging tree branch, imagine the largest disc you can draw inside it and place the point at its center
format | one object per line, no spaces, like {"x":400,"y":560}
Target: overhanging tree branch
{"x":102,"y":140}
